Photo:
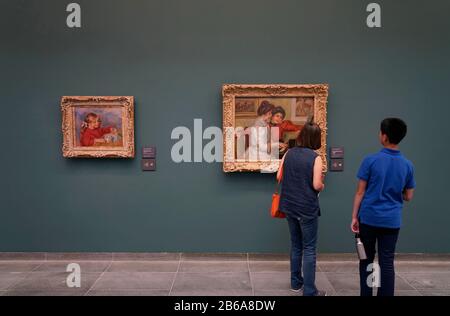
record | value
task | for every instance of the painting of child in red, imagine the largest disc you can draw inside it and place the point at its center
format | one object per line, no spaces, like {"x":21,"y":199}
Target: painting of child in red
{"x":92,"y":133}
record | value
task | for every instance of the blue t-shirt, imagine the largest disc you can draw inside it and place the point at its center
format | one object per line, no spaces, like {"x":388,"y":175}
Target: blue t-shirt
{"x":388,"y":173}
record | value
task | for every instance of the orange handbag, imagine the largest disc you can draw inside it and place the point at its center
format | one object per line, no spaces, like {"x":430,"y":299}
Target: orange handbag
{"x":274,"y":211}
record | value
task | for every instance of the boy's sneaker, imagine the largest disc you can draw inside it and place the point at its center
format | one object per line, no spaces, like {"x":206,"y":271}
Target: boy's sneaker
{"x":297,"y":290}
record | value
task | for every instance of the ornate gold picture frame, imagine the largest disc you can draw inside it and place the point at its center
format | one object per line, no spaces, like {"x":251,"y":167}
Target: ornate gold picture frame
{"x":98,"y":126}
{"x":296,"y":101}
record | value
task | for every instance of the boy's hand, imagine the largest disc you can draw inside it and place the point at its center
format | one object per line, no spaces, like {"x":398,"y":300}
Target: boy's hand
{"x":355,"y":225}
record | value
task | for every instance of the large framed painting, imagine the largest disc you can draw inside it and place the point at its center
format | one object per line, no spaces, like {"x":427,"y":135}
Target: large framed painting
{"x":98,"y":126}
{"x":261,"y":122}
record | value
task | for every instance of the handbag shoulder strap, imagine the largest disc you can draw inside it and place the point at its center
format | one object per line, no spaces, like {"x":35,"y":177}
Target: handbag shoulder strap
{"x":280,"y":174}
{"x":281,"y":169}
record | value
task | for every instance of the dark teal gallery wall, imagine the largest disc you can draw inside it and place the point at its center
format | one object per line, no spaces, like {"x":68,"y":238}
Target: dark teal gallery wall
{"x":173,"y":56}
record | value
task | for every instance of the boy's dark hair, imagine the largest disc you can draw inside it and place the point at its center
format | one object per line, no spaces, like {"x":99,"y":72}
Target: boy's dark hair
{"x":394,"y":128}
{"x":264,"y":108}
{"x":279,"y":109}
{"x":310,"y":136}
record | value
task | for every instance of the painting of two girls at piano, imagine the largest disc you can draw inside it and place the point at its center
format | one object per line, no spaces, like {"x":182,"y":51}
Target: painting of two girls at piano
{"x":270,"y":126}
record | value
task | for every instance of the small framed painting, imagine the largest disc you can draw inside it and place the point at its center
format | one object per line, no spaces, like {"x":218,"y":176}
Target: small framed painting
{"x":98,"y":126}
{"x":246,"y":107}
{"x":302,"y":109}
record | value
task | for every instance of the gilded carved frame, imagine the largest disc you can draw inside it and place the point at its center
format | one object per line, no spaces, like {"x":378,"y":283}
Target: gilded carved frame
{"x":69,"y":148}
{"x":231,"y":91}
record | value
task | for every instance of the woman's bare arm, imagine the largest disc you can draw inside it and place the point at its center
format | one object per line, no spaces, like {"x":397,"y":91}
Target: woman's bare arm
{"x":317,"y":176}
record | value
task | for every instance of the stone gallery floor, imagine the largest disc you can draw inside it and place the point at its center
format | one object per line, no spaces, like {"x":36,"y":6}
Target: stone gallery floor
{"x":204,"y":274}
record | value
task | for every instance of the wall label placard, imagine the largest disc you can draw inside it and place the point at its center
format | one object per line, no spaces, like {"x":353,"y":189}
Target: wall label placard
{"x":148,"y":164}
{"x":336,"y":165}
{"x":149,"y":152}
{"x":337,"y":152}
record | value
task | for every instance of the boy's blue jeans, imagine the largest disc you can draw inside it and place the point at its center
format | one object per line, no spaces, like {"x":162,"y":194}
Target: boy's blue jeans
{"x":386,"y":238}
{"x":303,"y":253}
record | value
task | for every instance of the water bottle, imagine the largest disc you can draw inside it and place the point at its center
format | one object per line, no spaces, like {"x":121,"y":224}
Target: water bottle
{"x":360,"y":248}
